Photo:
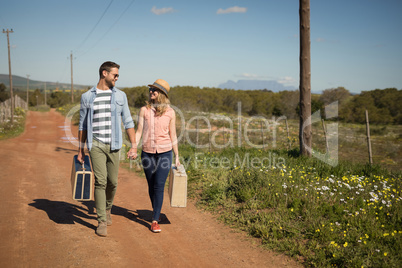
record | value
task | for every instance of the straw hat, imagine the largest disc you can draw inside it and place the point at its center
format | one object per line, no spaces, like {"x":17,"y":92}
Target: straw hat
{"x":162,"y":85}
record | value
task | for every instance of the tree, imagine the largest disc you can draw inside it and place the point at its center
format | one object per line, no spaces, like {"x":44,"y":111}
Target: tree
{"x":331,"y":95}
{"x":58,"y":99}
{"x":287,"y":103}
{"x":305,"y":136}
{"x":3,"y":94}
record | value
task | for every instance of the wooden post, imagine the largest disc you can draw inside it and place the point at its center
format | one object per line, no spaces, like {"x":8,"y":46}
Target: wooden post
{"x":209,"y":139}
{"x":224,"y":135}
{"x":305,"y":135}
{"x":72,"y":83}
{"x":45,"y":95}
{"x":262,"y":136}
{"x":287,"y":130}
{"x":239,"y":143}
{"x":368,"y":139}
{"x":196,"y":134}
{"x":28,"y":88}
{"x":10,"y":75}
{"x":325,"y":136}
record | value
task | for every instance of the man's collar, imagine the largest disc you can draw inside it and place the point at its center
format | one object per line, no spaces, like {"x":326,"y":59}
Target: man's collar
{"x":94,"y":89}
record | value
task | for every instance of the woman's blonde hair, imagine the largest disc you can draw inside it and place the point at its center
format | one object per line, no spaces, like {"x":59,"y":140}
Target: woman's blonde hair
{"x":161,"y":103}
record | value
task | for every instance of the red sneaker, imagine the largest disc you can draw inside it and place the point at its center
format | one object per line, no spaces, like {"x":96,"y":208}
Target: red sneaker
{"x":155,"y":227}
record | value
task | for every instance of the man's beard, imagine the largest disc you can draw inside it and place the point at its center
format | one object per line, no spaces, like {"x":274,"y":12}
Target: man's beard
{"x":109,"y":83}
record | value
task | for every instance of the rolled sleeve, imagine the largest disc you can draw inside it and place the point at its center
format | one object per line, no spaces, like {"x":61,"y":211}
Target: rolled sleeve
{"x":83,"y":116}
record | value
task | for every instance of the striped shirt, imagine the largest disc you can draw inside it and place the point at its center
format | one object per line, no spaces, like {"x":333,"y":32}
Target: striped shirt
{"x":102,"y":120}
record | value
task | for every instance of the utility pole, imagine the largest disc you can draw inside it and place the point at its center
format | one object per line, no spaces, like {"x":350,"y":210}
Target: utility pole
{"x":10,"y":76}
{"x":305,"y":136}
{"x":45,"y":95}
{"x":28,"y":89}
{"x":72,"y":90}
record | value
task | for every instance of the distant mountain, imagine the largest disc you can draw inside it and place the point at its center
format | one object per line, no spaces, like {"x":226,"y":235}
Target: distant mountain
{"x":20,"y":83}
{"x":256,"y":84}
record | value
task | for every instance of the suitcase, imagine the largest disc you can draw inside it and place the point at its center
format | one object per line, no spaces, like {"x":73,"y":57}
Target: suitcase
{"x":178,"y":187}
{"x":82,"y":179}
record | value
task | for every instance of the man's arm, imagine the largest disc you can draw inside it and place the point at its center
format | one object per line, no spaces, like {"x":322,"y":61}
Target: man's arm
{"x":129,"y":126}
{"x":132,"y":153}
{"x":82,"y":131}
{"x":82,"y":138}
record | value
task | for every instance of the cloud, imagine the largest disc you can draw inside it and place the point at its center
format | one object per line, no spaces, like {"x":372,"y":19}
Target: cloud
{"x":287,"y":80}
{"x":250,"y":76}
{"x":320,"y":40}
{"x":160,"y":11}
{"x":234,"y":9}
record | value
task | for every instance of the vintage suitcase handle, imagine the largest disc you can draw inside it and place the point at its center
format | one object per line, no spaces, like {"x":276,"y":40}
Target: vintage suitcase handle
{"x":83,"y":166}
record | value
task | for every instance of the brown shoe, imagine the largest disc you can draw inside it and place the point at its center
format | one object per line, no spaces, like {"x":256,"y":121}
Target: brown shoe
{"x":109,"y":217}
{"x":102,"y":229}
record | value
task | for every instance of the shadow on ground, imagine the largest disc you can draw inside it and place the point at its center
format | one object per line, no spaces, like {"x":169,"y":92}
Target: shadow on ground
{"x":62,"y":212}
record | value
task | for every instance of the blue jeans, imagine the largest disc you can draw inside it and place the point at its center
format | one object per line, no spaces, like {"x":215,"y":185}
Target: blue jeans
{"x":156,"y":169}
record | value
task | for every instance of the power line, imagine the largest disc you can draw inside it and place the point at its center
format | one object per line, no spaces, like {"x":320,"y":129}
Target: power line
{"x":110,"y":28}
{"x":86,"y":38}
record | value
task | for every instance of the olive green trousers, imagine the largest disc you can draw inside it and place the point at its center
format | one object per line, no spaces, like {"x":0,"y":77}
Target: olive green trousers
{"x":105,"y":165}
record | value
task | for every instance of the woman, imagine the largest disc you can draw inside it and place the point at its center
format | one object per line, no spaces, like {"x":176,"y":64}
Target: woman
{"x":157,"y":125}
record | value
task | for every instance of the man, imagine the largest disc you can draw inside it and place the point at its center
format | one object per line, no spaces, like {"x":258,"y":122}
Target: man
{"x":102,"y":109}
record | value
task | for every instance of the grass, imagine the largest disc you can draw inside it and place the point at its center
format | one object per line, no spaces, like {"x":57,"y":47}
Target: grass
{"x":8,"y":130}
{"x":344,"y":216}
{"x":40,"y":108}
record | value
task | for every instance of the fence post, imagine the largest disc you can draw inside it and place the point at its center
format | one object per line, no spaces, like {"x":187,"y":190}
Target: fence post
{"x":262,"y":135}
{"x":196,"y":134}
{"x":368,"y":138}
{"x":224,"y":135}
{"x":239,"y":135}
{"x":209,"y":139}
{"x":325,"y":136}
{"x":287,"y":130}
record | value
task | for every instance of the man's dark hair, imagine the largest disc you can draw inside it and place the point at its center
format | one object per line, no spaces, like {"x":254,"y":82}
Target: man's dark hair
{"x":106,"y":66}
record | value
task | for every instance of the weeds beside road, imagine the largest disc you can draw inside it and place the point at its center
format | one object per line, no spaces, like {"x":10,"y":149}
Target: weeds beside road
{"x":8,"y":130}
{"x":344,"y":216}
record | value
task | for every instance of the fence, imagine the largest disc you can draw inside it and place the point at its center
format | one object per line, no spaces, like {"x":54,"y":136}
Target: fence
{"x":5,"y":107}
{"x":213,"y":133}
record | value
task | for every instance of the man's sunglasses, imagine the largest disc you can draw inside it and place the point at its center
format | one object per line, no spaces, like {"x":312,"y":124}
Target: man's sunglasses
{"x":115,"y":75}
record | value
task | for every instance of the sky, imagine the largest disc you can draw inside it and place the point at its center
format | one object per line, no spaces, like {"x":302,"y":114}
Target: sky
{"x":355,"y":44}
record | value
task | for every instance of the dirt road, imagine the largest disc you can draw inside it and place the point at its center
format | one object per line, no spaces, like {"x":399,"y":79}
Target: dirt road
{"x":41,"y":226}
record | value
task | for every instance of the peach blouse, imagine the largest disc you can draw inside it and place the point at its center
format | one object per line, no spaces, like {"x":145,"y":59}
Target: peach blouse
{"x":156,"y":137}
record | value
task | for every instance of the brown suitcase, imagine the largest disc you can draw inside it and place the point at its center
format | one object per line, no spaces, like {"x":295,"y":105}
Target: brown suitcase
{"x":178,"y":187}
{"x":82,"y":180}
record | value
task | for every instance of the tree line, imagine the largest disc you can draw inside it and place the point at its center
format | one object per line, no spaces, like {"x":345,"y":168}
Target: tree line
{"x":383,"y":104}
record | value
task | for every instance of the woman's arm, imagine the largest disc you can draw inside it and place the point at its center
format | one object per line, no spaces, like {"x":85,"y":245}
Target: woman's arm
{"x":173,"y":138}
{"x":140,"y":125}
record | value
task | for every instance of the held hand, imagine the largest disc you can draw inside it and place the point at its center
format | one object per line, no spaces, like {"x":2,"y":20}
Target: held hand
{"x":132,"y":153}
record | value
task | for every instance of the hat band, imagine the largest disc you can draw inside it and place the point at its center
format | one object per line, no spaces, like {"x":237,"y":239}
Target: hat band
{"x":161,"y":88}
